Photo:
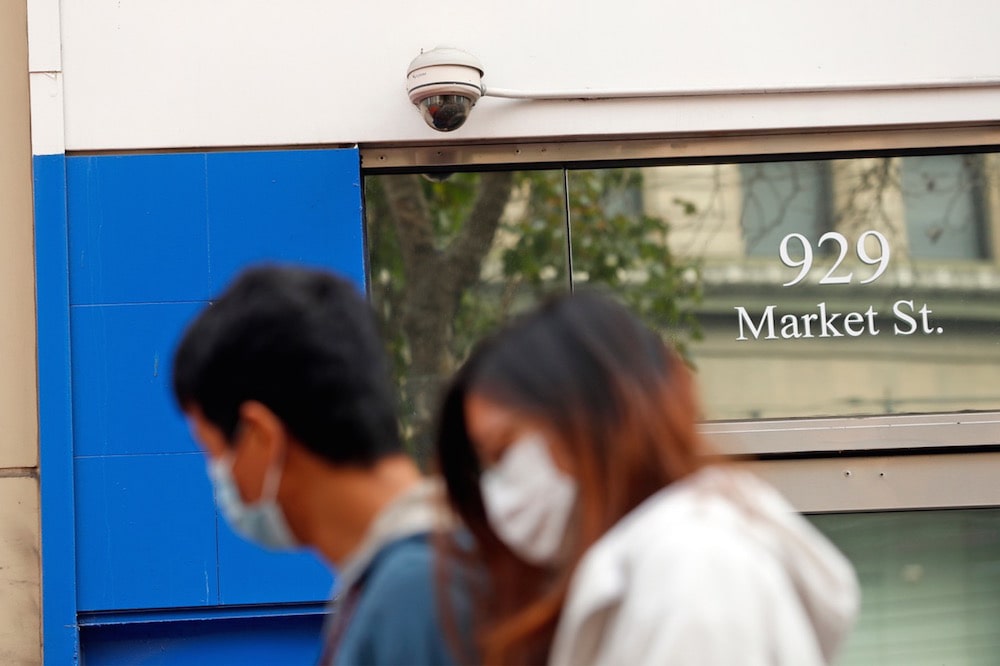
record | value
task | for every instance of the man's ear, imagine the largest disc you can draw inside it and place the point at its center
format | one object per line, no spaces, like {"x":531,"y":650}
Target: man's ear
{"x":261,"y":428}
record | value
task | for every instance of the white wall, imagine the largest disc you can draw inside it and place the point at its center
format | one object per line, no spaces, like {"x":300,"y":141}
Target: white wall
{"x":176,"y":73}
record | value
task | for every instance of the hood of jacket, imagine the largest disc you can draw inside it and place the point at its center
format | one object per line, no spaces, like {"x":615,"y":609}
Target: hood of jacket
{"x":752,"y":516}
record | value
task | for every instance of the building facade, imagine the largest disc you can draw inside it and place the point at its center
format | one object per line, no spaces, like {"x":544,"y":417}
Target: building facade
{"x":809,"y":208}
{"x":20,"y":611}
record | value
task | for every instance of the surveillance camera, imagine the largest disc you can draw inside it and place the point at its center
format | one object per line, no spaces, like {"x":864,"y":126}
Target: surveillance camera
{"x":444,"y":84}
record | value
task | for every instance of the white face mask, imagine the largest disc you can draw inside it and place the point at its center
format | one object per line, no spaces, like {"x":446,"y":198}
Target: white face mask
{"x":529,"y":500}
{"x":263,"y":521}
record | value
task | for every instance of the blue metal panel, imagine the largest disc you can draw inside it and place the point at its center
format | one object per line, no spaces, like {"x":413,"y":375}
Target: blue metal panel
{"x":251,"y":575}
{"x":301,"y":206}
{"x":137,"y":229}
{"x":59,"y":632}
{"x":249,"y":641}
{"x":122,"y":359}
{"x":145,"y":531}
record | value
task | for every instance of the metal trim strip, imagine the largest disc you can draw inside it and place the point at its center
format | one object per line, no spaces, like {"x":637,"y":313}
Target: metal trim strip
{"x":856,"y":435}
{"x":375,"y":158}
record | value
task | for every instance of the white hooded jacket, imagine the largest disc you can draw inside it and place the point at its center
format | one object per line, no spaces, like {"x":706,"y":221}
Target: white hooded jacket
{"x":714,"y":570}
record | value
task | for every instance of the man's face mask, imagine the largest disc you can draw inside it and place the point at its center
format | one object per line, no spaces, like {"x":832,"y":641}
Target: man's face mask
{"x":529,"y":500}
{"x":262,"y":522}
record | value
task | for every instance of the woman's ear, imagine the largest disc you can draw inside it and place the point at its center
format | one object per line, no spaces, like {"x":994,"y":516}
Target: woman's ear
{"x":260,"y":428}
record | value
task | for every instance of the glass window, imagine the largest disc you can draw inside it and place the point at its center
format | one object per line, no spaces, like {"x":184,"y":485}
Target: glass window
{"x":780,"y":198}
{"x":450,"y":257}
{"x":857,"y":286}
{"x":944,"y":206}
{"x":930,"y":586}
{"x":798,"y":289}
{"x":628,"y":250}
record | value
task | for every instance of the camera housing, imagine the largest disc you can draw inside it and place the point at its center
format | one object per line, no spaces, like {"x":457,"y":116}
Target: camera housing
{"x":444,"y":84}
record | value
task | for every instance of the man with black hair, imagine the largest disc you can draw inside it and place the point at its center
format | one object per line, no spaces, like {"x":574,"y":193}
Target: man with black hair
{"x":283,"y":381}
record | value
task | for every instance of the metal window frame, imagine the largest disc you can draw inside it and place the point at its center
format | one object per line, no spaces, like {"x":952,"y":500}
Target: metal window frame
{"x":684,"y":148}
{"x":858,"y":435}
{"x":877,"y":463}
{"x":864,"y":463}
{"x":888,"y":483}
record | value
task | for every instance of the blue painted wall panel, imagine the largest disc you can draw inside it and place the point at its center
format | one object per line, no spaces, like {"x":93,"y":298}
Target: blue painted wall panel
{"x":128,"y":249}
{"x":300,"y":206}
{"x":160,"y":233}
{"x":122,"y":359}
{"x":55,"y":412}
{"x":290,"y":206}
{"x":249,"y":574}
{"x":146,"y":532}
{"x":137,"y":228}
{"x":266,"y":641}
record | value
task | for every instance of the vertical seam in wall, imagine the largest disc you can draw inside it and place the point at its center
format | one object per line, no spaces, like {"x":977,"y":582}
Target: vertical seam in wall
{"x":208,"y":233}
{"x":212,"y":288}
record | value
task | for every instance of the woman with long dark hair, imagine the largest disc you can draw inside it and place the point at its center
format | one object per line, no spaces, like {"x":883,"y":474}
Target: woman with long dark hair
{"x":609,"y":532}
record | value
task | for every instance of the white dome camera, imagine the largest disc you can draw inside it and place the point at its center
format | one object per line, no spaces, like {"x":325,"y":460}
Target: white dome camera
{"x":444,"y":84}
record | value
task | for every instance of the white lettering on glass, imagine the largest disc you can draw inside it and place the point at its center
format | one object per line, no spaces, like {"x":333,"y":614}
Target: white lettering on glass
{"x":807,"y":257}
{"x":824,"y":323}
{"x":838,"y":239}
{"x":907,"y":318}
{"x":883,"y":255}
{"x":766,"y":318}
{"x":904,"y":311}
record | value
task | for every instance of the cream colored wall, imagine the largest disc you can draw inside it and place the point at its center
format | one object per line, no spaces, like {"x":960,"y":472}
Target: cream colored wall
{"x":20,"y":599}
{"x":184,"y":73}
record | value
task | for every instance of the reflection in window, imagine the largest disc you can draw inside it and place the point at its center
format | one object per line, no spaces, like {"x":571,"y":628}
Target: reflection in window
{"x":944,"y":206}
{"x":627,"y":249}
{"x":930,"y":586}
{"x":739,"y":215}
{"x":684,"y":246}
{"x":450,"y":259}
{"x":780,"y":198}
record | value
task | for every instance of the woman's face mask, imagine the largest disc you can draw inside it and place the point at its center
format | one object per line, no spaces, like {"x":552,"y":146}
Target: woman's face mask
{"x":262,"y":522}
{"x":529,"y":500}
